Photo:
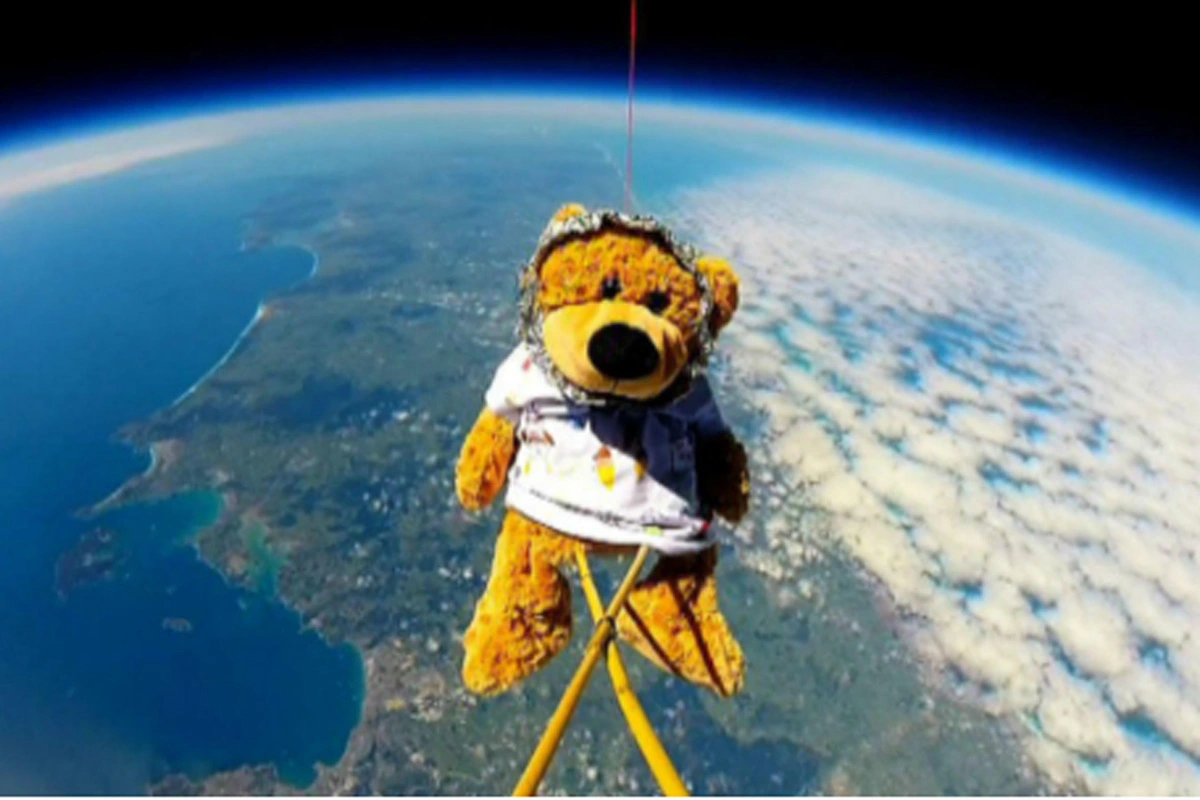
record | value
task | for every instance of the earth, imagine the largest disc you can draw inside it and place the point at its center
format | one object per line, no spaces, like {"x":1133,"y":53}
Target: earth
{"x":968,"y":384}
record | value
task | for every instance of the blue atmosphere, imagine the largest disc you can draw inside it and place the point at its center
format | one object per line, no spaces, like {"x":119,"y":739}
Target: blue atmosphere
{"x":1028,"y":143}
{"x":1019,"y":145}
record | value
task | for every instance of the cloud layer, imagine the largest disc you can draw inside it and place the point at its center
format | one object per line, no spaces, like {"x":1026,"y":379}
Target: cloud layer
{"x":48,"y":168}
{"x":1003,"y":425}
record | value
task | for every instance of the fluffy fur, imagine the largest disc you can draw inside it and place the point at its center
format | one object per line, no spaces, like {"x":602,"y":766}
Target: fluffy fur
{"x":672,"y":617}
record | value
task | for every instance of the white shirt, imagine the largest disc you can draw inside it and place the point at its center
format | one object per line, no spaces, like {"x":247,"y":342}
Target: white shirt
{"x":619,"y":475}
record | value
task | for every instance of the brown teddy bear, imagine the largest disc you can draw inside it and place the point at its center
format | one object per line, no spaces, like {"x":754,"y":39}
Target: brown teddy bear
{"x":604,"y":426}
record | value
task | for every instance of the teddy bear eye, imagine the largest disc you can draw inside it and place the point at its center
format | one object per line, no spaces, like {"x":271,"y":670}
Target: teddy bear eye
{"x":610,"y":288}
{"x":658,"y":302}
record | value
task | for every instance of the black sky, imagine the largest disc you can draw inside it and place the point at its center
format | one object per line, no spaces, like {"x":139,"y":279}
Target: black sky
{"x":1115,"y":92}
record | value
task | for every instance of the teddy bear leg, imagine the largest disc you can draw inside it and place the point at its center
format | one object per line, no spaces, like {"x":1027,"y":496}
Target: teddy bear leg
{"x":672,"y":618}
{"x":523,"y":619}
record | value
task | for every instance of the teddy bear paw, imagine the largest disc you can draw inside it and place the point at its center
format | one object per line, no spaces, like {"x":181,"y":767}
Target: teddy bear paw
{"x":686,"y":636}
{"x":504,"y":647}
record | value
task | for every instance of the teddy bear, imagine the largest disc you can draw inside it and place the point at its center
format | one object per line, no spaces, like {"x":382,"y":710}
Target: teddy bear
{"x":603,"y":425}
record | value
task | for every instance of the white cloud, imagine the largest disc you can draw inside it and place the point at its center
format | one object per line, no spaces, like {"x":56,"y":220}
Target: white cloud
{"x":47,"y":168}
{"x":1002,"y":426}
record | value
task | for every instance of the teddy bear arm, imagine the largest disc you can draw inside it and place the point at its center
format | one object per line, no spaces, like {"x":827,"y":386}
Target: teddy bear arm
{"x":724,"y":475}
{"x":483,"y":464}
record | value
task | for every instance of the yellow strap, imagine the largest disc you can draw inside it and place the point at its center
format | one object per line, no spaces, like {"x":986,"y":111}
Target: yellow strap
{"x":639,"y":725}
{"x":548,"y":746}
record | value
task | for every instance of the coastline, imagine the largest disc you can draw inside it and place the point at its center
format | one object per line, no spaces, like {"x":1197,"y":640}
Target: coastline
{"x":261,"y":312}
{"x":162,"y":453}
{"x":165,"y":453}
{"x":158,"y":464}
{"x":316,"y":265}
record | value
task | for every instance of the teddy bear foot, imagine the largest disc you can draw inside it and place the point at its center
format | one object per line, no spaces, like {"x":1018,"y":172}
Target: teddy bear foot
{"x":672,"y":619}
{"x":523,"y":619}
{"x":505,"y":646}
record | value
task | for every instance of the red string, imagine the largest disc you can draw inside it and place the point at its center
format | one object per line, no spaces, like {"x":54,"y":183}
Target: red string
{"x":629,"y":112}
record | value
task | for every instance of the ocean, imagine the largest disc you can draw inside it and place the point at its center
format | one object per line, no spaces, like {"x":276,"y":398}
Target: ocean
{"x":116,"y":295}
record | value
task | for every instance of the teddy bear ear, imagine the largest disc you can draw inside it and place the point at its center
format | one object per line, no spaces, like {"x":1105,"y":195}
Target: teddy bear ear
{"x":567,"y":211}
{"x":724,"y":284}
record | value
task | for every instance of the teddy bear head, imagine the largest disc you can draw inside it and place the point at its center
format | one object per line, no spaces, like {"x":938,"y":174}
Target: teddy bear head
{"x":615,"y":308}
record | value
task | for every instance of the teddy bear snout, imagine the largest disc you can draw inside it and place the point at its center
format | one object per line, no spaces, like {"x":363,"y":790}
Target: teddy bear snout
{"x":623,"y":352}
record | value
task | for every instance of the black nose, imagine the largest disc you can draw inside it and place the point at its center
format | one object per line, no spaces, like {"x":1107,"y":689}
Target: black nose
{"x":623,"y":353}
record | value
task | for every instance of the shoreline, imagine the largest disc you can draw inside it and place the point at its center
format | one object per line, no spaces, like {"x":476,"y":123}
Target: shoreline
{"x":260,"y":313}
{"x":316,"y":265}
{"x":162,"y":455}
{"x":228,"y":511}
{"x":158,"y":462}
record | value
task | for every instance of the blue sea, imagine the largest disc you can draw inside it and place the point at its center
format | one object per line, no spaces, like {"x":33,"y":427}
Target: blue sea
{"x":115,"y":296}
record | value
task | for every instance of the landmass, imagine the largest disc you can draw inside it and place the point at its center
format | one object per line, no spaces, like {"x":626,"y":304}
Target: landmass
{"x":95,"y":557}
{"x":332,"y":432}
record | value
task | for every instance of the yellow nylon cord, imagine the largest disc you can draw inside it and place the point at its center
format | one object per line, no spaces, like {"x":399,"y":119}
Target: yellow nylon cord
{"x":639,"y":724}
{"x":548,"y":746}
